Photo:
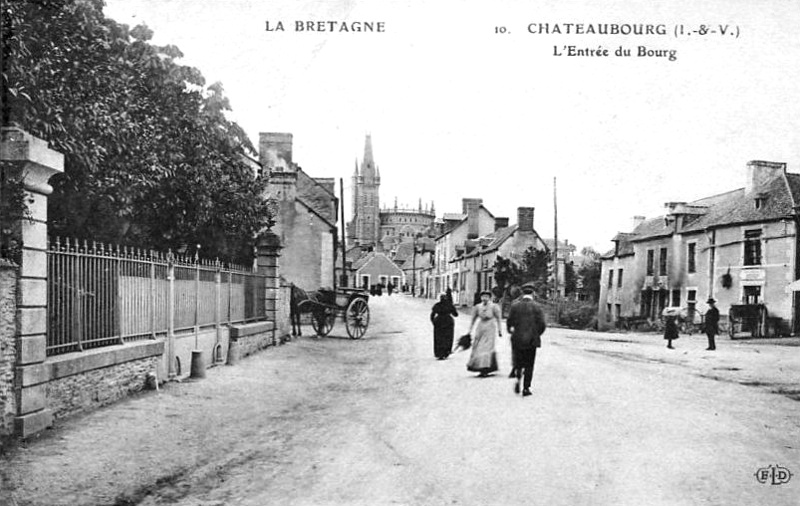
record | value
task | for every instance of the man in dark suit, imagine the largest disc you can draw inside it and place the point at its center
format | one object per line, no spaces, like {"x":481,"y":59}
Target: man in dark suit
{"x":526,"y":324}
{"x":712,"y":323}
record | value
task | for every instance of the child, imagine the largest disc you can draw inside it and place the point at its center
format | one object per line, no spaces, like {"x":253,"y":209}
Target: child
{"x":670,"y":330}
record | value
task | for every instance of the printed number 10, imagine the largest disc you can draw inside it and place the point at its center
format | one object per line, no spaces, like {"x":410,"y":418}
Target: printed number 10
{"x":500,"y":29}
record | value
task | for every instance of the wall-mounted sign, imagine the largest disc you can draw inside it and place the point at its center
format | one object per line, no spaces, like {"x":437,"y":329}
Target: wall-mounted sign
{"x":751,"y":274}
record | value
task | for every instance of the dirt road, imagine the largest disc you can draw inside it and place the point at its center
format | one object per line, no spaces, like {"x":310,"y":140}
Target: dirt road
{"x":379,"y":421}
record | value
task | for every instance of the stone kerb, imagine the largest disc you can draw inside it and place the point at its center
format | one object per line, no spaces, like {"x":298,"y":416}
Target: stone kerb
{"x":34,"y":162}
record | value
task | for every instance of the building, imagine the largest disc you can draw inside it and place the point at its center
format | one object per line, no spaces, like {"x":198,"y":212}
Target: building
{"x":375,"y":268}
{"x":461,"y":230}
{"x":566,"y":257}
{"x":473,"y":271}
{"x":376,"y":228}
{"x":740,"y":247}
{"x":306,"y":215}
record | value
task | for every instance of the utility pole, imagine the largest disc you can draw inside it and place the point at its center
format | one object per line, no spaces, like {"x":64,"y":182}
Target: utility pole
{"x":555,"y":248}
{"x":414,"y":269}
{"x":343,"y":280}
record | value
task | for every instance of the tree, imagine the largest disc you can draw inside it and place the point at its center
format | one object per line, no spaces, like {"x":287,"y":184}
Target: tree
{"x":570,"y":279}
{"x":534,"y":269}
{"x":150,"y":158}
{"x":506,"y":273}
{"x":589,"y":275}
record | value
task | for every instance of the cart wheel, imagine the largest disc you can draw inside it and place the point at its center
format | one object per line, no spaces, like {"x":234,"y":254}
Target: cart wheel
{"x":322,"y":320}
{"x":357,"y":318}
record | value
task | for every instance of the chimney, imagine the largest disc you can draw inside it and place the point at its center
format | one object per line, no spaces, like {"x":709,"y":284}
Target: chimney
{"x":759,"y":173}
{"x":500,"y":223}
{"x":525,"y":219}
{"x":637,"y":220}
{"x":275,"y":151}
{"x":470,"y":208}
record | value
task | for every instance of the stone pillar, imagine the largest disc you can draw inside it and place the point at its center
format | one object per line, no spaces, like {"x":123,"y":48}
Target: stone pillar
{"x":269,"y":251}
{"x":35,"y":163}
{"x":8,"y":346}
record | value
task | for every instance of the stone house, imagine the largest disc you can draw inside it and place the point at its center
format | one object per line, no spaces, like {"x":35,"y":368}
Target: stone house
{"x":737,"y":247}
{"x":375,"y":268}
{"x":459,"y":230}
{"x":566,"y":256}
{"x":474,"y":269}
{"x":306,"y":215}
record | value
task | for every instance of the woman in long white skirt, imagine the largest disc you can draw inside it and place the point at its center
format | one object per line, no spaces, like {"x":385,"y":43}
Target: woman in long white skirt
{"x":483,"y":358}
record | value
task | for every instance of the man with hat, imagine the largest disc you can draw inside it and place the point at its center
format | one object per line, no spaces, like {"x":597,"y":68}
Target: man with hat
{"x":526,"y":324}
{"x":711,"y":323}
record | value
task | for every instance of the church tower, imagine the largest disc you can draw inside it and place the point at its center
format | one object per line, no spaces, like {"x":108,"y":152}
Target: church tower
{"x":366,"y":224}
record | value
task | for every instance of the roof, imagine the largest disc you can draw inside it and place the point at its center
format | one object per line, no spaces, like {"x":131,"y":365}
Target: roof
{"x":651,"y":228}
{"x":376,"y":256}
{"x":782,"y":193}
{"x":562,"y":245}
{"x":793,"y":181}
{"x":498,"y":237}
{"x":739,"y":208}
{"x":625,"y":247}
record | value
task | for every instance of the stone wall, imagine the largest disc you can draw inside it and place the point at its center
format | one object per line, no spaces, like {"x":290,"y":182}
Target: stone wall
{"x":99,"y":387}
{"x":249,"y":338}
{"x":8,"y":349}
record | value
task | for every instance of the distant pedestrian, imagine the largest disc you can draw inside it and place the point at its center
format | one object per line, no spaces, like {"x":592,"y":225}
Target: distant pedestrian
{"x":449,"y":294}
{"x":670,"y":330}
{"x":526,"y":325}
{"x":442,"y":315}
{"x":712,"y":323}
{"x":389,"y":289}
{"x":483,"y":359}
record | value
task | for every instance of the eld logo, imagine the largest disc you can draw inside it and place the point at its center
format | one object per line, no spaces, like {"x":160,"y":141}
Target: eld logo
{"x":774,"y":475}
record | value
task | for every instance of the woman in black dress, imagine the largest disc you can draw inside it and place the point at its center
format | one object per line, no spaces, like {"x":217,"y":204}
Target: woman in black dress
{"x":442,"y":315}
{"x":670,"y":330}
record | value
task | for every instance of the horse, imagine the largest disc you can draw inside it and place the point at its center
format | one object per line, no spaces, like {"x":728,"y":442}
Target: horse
{"x":297,"y":296}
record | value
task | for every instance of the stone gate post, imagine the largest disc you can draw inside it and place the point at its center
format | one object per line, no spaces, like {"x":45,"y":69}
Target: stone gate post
{"x":34,"y":162}
{"x":267,"y":263}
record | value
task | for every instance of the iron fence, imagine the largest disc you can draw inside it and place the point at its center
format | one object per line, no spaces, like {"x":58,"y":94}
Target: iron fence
{"x":99,"y":295}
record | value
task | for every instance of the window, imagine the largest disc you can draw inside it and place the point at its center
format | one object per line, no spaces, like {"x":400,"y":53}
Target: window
{"x":690,"y":256}
{"x":752,"y":247}
{"x":610,"y":278}
{"x":752,"y":294}
{"x":650,"y":262}
{"x":691,"y":302}
{"x":662,"y":262}
{"x":676,"y":298}
{"x":619,"y":278}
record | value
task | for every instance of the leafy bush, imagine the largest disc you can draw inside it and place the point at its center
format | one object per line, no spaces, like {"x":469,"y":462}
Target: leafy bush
{"x":578,"y":315}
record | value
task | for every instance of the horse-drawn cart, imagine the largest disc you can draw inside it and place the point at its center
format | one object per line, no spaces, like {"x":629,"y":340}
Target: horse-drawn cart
{"x":325,"y":305}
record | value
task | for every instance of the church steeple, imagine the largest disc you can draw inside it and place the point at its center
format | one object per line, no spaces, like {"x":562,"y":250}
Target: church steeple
{"x":368,"y":164}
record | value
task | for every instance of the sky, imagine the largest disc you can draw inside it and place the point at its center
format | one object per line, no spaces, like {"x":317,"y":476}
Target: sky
{"x":462,"y":101}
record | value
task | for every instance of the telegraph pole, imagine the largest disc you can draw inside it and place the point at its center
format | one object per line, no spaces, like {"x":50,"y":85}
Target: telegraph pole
{"x":555,"y":248}
{"x":343,"y":281}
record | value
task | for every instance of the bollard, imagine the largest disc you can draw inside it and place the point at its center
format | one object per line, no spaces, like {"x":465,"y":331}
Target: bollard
{"x":198,"y":366}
